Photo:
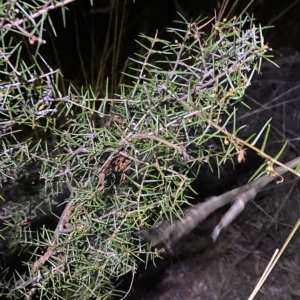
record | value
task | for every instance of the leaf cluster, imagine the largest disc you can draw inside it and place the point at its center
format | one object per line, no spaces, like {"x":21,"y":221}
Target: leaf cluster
{"x":121,"y":164}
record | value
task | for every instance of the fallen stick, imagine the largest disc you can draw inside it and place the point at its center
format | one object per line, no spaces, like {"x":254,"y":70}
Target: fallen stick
{"x":167,"y":233}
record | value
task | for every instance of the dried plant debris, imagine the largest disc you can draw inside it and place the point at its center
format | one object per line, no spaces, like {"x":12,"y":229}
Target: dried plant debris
{"x":168,"y":233}
{"x":231,"y":267}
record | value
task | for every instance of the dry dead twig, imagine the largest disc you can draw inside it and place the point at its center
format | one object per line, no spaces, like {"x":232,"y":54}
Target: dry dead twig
{"x":168,"y":233}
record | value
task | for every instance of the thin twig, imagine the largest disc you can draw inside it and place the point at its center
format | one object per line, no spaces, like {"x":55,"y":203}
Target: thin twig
{"x":39,"y":13}
{"x":60,"y":228}
{"x":136,"y":85}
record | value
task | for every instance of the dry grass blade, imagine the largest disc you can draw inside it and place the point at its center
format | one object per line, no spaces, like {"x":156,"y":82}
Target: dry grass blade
{"x":273,"y":261}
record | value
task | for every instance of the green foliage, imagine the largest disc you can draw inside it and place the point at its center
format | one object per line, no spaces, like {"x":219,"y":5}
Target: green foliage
{"x":126,"y":162}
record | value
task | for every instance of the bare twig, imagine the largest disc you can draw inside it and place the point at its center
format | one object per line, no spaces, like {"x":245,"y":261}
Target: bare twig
{"x":144,"y":65}
{"x":60,"y":228}
{"x":168,"y":233}
{"x":45,"y":9}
